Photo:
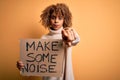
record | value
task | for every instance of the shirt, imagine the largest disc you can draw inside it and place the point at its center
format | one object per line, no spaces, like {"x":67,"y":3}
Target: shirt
{"x":67,"y":66}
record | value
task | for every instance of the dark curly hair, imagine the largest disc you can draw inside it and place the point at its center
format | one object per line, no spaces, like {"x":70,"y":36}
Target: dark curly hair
{"x":59,"y":8}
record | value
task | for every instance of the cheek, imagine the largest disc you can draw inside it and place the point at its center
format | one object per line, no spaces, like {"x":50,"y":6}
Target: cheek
{"x":51,"y":21}
{"x":62,"y":22}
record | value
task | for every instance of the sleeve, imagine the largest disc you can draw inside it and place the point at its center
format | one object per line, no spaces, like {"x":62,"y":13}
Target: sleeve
{"x":77,"y":38}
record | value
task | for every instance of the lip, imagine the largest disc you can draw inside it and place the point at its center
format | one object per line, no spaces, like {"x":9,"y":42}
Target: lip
{"x":55,"y":25}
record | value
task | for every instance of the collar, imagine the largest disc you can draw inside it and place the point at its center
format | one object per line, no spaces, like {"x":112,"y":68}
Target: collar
{"x":56,"y":31}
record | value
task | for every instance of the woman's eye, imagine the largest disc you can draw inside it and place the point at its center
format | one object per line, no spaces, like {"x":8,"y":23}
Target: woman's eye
{"x":60,"y":18}
{"x":53,"y":17}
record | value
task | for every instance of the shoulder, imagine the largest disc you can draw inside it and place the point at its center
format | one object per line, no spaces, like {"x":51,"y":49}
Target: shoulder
{"x":44,"y":37}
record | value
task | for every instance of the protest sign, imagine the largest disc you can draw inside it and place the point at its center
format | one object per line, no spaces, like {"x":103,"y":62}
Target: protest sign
{"x":42,"y":57}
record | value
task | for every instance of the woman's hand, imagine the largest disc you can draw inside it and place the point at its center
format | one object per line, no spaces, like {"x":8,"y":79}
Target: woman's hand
{"x":20,"y":65}
{"x":68,"y":36}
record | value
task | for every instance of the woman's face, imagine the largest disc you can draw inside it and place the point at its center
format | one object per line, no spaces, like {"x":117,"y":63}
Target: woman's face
{"x":56,"y":21}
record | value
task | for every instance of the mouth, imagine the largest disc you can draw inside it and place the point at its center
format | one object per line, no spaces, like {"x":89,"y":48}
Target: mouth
{"x":56,"y":25}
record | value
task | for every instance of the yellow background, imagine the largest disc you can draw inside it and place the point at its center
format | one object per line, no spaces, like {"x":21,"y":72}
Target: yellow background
{"x":96,"y":57}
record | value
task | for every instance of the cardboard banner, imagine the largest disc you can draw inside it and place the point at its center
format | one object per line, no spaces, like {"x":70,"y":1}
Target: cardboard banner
{"x":42,"y":57}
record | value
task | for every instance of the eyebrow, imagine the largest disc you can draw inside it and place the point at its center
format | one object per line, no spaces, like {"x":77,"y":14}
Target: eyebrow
{"x":57,"y":15}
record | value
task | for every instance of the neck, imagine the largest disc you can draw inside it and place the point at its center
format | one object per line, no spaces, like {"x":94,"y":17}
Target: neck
{"x":53,"y":29}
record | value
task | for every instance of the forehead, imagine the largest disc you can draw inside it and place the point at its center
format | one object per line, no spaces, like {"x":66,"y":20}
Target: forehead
{"x":56,"y":12}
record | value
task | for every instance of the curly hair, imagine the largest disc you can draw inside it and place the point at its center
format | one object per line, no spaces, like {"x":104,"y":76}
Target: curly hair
{"x":59,"y":8}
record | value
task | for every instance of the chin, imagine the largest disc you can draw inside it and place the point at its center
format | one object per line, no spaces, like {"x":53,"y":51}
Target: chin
{"x":56,"y":28}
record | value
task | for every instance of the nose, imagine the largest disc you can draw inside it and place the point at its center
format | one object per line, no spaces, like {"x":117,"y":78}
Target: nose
{"x":56,"y":20}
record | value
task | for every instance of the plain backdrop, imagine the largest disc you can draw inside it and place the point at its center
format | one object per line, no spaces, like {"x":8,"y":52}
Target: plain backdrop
{"x":96,"y":57}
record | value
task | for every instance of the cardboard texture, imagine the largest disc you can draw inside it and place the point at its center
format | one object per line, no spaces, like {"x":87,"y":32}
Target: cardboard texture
{"x":42,"y":57}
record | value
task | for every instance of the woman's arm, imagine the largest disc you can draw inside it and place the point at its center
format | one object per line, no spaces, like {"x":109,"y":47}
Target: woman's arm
{"x":77,"y":38}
